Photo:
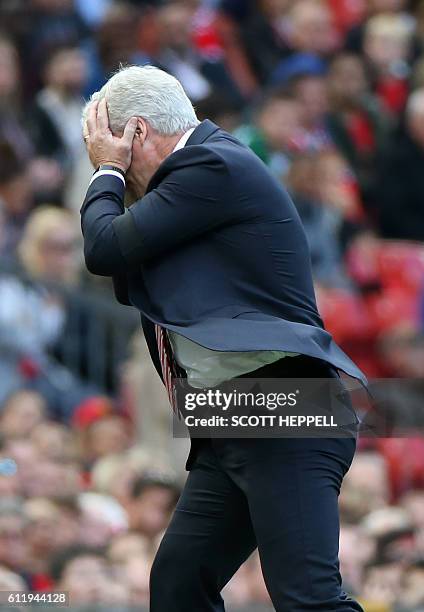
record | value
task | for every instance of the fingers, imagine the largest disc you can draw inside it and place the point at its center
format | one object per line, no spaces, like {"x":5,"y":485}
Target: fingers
{"x":129,"y":131}
{"x":92,"y":118}
{"x":102,"y":116}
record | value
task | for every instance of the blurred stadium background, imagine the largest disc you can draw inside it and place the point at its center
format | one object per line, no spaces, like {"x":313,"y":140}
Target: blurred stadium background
{"x":330,"y":94}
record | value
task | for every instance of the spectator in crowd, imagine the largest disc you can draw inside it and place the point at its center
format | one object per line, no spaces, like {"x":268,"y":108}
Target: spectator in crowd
{"x":16,"y":199}
{"x":264,"y":37}
{"x":311,"y":28}
{"x":400,"y":187}
{"x":198,"y":74}
{"x":12,"y":131}
{"x":319,"y":220}
{"x":47,"y":255}
{"x":48,"y":249}
{"x":115,"y":42}
{"x":85,"y":574}
{"x":275,"y":132}
{"x":387,"y":47}
{"x":21,"y":413}
{"x":42,"y":535}
{"x":356,"y":122}
{"x":310,"y":92}
{"x":57,"y":109}
{"x":51,"y":24}
{"x":153,"y":497}
{"x":108,"y":435}
{"x":355,"y":37}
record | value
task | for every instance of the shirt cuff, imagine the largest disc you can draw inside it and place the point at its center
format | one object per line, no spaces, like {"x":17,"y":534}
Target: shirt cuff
{"x":105,"y":172}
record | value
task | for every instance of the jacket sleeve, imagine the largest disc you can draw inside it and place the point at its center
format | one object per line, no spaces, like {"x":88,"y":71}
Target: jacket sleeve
{"x":191,"y":200}
{"x":104,"y":201}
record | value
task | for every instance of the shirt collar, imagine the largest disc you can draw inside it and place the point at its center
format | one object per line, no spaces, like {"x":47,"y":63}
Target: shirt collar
{"x":183,"y":140}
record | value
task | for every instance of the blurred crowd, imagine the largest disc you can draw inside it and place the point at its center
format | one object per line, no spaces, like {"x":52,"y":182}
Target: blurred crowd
{"x":330,"y":95}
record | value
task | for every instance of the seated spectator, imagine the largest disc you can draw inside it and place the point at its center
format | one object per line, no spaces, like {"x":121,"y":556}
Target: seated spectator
{"x":33,"y":316}
{"x":12,"y":131}
{"x":319,"y":220}
{"x":16,"y":200}
{"x":86,"y":575}
{"x":387,"y":48}
{"x":108,"y":435}
{"x":152,"y":500}
{"x":21,"y":413}
{"x":263,"y":35}
{"x":53,"y":479}
{"x":51,"y":23}
{"x":311,"y":28}
{"x":55,"y":118}
{"x":366,"y":487}
{"x":45,"y":172}
{"x":356,"y":123}
{"x":126,"y":545}
{"x":48,"y":249}
{"x":115,"y":41}
{"x":275,"y":132}
{"x":197,"y":73}
{"x":400,"y":185}
{"x":308,"y":85}
{"x":42,"y":538}
{"x":355,"y":36}
{"x":54,"y":441}
{"x":339,"y":190}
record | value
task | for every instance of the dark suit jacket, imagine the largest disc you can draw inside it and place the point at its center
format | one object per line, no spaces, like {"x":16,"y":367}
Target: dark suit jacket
{"x":215,"y":251}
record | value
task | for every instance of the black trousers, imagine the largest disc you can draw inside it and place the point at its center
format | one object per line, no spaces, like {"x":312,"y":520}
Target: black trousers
{"x":280,"y":495}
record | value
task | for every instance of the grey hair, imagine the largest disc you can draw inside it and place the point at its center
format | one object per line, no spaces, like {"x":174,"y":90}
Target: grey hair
{"x":150,"y":93}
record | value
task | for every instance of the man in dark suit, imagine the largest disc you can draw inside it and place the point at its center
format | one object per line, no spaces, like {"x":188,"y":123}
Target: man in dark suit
{"x":214,"y":256}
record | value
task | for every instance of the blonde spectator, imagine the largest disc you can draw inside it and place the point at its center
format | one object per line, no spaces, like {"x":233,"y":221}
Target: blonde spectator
{"x":49,"y":246}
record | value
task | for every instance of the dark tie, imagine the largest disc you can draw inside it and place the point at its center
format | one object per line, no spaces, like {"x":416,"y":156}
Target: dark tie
{"x":170,"y":368}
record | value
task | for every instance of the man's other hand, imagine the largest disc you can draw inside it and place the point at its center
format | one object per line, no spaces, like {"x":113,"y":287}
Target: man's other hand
{"x":102,"y":146}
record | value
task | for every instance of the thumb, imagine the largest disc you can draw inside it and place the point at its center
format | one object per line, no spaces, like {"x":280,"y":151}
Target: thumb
{"x":129,"y":131}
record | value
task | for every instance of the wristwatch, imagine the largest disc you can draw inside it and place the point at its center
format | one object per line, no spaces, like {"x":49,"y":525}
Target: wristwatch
{"x":110,"y":167}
